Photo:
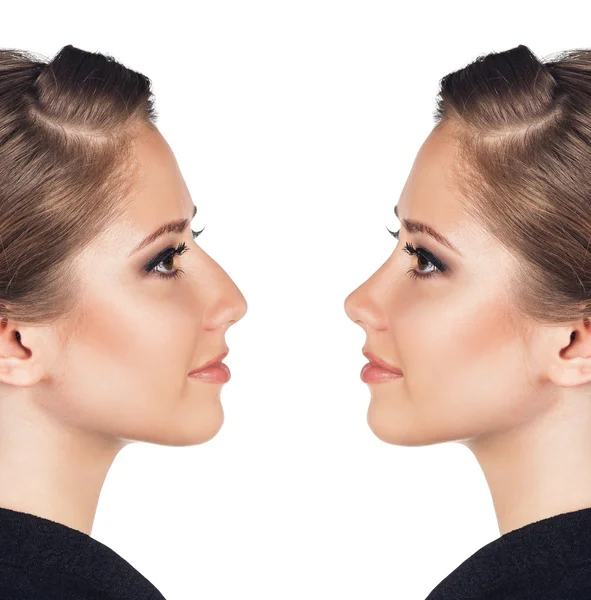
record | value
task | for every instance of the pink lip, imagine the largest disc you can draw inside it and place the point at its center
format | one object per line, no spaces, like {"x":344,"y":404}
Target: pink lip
{"x":377,"y":370}
{"x":213,"y":371}
{"x":214,"y":361}
{"x":381,"y":363}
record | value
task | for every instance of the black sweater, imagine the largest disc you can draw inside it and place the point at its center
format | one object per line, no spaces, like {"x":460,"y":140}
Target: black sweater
{"x":545,"y":560}
{"x":41,"y":559}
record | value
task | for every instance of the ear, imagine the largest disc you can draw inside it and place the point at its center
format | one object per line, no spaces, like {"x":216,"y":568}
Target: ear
{"x":26,"y":353}
{"x":570,"y":359}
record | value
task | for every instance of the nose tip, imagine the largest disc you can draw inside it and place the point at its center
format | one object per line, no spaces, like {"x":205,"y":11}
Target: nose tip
{"x":349,"y":307}
{"x":364,"y":310}
{"x":242,"y":307}
{"x":236,"y":310}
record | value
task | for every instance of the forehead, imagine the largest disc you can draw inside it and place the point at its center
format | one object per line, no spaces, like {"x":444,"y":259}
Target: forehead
{"x":431,"y":196}
{"x":160,"y":184}
{"x":158,"y":194}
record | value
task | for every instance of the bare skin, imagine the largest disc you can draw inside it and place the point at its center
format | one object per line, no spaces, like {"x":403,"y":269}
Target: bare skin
{"x":516,"y":393}
{"x":67,"y":409}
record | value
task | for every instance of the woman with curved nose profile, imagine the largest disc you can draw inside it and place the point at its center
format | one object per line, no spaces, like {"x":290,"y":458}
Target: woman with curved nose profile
{"x":106,"y":306}
{"x":483,"y":308}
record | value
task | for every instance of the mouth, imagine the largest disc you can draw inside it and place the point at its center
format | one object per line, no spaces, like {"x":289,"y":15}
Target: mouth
{"x":213,"y":371}
{"x":377,"y":370}
{"x":210,"y":363}
{"x":382,"y":364}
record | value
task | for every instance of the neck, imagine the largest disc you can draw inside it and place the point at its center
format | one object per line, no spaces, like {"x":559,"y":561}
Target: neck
{"x":540,"y":468}
{"x":51,"y":469}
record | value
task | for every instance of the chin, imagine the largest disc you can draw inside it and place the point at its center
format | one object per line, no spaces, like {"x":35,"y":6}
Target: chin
{"x":206,"y":427}
{"x":397,"y":427}
{"x":392,"y":425}
{"x":188,"y":430}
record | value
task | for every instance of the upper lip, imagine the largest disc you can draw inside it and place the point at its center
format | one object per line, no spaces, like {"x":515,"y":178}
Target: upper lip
{"x":213,"y":361}
{"x":380,"y":363}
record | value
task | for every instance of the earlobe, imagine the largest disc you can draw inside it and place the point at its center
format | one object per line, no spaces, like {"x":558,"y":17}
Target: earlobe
{"x":18,"y":366}
{"x":571,"y":375}
{"x":574,"y":366}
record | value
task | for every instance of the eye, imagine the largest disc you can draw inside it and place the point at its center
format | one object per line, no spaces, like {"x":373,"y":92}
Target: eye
{"x":423,"y":255}
{"x":168,"y":255}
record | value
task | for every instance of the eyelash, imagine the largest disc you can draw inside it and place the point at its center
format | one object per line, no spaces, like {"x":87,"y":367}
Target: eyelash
{"x":421,"y":253}
{"x":166,"y":255}
{"x":425,"y":256}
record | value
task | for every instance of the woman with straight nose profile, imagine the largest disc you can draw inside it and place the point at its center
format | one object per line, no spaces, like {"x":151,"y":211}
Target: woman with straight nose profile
{"x":477,"y":327}
{"x":104,"y":338}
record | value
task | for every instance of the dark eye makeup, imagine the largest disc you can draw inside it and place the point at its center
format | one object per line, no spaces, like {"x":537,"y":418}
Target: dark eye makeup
{"x":423,"y":255}
{"x":168,"y":255}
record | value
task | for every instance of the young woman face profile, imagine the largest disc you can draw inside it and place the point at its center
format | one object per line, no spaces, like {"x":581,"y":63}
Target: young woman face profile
{"x":444,"y":318}
{"x":490,"y":330}
{"x":123,"y":375}
{"x":148,"y":317}
{"x":115,"y":369}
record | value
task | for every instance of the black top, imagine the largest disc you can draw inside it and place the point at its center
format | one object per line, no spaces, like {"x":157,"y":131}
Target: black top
{"x":545,"y":560}
{"x":41,"y":559}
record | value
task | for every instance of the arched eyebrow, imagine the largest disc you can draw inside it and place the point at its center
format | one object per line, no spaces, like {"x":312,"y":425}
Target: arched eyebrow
{"x":173,"y":227}
{"x":418,"y":227}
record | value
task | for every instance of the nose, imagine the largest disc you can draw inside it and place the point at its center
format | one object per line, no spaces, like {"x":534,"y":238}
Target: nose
{"x":226,"y":303}
{"x":353,"y":305}
{"x":240,"y":307}
{"x":230,"y":307}
{"x":364,"y":305}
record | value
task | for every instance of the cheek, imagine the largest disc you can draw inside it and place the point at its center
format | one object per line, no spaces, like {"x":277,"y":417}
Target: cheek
{"x":463,"y":368}
{"x":125,"y":372}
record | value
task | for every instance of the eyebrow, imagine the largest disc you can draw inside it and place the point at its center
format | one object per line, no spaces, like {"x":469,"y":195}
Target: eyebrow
{"x":173,"y":227}
{"x":418,"y":227}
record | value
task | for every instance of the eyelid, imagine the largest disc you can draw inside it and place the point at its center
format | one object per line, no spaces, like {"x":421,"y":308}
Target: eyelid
{"x":424,"y":253}
{"x":421,"y":252}
{"x":167,"y":252}
{"x":160,"y":257}
{"x":417,"y":227}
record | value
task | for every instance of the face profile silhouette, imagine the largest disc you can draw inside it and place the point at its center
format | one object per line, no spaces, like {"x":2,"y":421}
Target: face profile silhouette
{"x":113,"y":319}
{"x":482,"y":310}
{"x":114,"y":303}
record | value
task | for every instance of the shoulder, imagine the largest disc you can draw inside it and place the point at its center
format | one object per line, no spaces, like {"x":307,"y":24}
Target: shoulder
{"x":16,"y":584}
{"x":575,"y":584}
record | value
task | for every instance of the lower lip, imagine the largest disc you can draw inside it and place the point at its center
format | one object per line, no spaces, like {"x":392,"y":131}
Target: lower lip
{"x":370,"y":373}
{"x":218,"y":373}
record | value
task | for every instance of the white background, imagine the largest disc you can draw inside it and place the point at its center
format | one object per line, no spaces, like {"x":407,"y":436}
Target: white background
{"x":295,"y":125}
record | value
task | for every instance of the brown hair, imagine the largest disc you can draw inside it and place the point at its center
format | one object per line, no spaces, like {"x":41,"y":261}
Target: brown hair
{"x":524,"y":133}
{"x":65,"y":166}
